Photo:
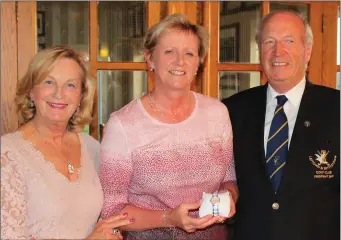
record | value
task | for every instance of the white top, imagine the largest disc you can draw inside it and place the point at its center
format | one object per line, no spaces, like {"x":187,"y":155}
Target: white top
{"x":39,"y":202}
{"x":291,"y":107}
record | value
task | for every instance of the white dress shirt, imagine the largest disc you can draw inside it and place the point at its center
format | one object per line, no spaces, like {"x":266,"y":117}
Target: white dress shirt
{"x":291,"y":107}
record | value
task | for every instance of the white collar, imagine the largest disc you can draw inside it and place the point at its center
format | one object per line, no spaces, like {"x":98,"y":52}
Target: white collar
{"x":294,"y":95}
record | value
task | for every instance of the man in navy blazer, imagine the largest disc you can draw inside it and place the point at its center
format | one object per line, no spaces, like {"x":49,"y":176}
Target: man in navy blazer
{"x":306,"y":205}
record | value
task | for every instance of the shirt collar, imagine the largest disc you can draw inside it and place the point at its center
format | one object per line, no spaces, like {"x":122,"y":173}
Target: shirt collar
{"x":294,"y":95}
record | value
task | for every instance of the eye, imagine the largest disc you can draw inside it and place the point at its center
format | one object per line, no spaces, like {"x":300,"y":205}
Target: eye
{"x":289,"y":41}
{"x":189,"y":54}
{"x":269,"y":41}
{"x":48,"y":82}
{"x":71,"y":85}
{"x":169,"y":51}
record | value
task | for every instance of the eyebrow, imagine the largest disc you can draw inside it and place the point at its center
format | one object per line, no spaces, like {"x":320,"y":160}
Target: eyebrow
{"x":68,"y":80}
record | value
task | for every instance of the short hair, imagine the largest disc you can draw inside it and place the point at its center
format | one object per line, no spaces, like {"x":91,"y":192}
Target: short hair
{"x":39,"y":68}
{"x":180,"y":22}
{"x":309,"y":38}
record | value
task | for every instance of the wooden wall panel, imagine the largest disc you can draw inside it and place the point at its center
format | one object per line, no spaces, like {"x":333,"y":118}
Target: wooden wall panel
{"x":9,"y":68}
{"x":330,"y":14}
{"x":27,"y":32}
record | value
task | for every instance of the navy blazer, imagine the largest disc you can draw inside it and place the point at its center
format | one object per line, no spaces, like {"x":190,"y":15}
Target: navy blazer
{"x":307,"y":203}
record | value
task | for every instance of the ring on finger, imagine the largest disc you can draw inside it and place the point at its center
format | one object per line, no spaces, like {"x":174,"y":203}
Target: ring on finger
{"x":115,"y":231}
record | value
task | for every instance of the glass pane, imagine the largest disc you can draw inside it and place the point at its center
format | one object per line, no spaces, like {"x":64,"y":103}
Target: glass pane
{"x":117,"y":88}
{"x":63,"y":23}
{"x":233,"y":82}
{"x":338,"y":81}
{"x":302,"y":8}
{"x":338,"y":40}
{"x":238,"y":26}
{"x":122,"y":26}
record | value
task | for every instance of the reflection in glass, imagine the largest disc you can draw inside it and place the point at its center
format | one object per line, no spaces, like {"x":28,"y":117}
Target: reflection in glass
{"x":122,"y":26}
{"x":63,"y":23}
{"x":233,"y":82}
{"x":301,"y":8}
{"x":338,"y":81}
{"x":237,"y":31}
{"x":117,"y":88}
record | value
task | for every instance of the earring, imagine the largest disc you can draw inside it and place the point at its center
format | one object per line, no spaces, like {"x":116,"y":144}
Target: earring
{"x":195,"y":73}
{"x":151,"y":69}
{"x":31,"y":103}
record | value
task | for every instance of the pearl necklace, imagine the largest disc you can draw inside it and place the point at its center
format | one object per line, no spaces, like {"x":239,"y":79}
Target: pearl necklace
{"x":70,"y":166}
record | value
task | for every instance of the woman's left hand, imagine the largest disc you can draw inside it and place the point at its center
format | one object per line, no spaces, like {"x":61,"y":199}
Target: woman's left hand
{"x":232,"y":210}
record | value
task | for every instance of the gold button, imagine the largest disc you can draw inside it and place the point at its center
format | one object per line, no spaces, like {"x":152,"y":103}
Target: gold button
{"x":275,"y":206}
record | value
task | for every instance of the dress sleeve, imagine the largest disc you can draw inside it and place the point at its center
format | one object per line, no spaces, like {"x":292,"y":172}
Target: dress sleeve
{"x":14,"y":223}
{"x":230,"y":175}
{"x":115,"y":169}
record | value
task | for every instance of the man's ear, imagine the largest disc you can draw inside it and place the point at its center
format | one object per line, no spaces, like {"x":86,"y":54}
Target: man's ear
{"x":148,"y":58}
{"x":308,"y":50}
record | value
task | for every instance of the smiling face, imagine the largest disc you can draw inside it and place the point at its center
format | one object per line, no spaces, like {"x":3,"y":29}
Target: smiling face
{"x":284,"y":51}
{"x":58,"y":95}
{"x":175,"y":59}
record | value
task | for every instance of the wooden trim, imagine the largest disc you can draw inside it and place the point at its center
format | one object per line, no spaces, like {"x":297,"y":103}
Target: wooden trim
{"x":210,"y":84}
{"x":153,"y":15}
{"x":27,"y":35}
{"x":176,"y":7}
{"x":338,"y":68}
{"x":121,"y":66}
{"x":239,"y":67}
{"x":191,"y":11}
{"x":330,"y":15}
{"x":93,"y":40}
{"x":315,"y":64}
{"x":265,"y":8}
{"x":9,"y":67}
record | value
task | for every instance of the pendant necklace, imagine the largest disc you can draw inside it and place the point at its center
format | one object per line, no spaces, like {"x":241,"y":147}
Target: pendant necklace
{"x":70,"y":167}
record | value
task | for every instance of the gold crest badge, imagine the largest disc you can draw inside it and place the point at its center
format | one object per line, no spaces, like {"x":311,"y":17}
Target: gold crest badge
{"x":323,"y":165}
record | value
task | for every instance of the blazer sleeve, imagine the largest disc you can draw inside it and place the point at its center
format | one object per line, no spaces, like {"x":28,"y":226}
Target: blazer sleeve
{"x":115,"y":167}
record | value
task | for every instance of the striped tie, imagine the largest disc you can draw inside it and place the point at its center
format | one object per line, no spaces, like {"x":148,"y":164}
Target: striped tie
{"x":277,"y":145}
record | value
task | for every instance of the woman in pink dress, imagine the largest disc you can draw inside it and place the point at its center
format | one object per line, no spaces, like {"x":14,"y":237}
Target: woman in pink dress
{"x":50,"y":188}
{"x":162,"y":151}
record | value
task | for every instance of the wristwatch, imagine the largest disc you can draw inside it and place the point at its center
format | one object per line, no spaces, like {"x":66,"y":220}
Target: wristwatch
{"x":215,"y":200}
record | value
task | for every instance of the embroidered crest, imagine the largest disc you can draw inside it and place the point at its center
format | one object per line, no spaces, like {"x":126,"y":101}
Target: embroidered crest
{"x":323,"y":165}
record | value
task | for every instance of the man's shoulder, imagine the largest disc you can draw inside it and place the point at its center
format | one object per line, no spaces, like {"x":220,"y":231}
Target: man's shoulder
{"x":324,"y":91}
{"x":244,"y":97}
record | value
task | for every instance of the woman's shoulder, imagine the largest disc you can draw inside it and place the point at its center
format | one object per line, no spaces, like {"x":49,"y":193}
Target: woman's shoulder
{"x":88,"y":140}
{"x":209,"y":103}
{"x":11,"y":142}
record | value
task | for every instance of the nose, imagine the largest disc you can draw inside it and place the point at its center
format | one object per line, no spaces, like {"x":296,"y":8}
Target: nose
{"x":279,"y":48}
{"x":180,"y":59}
{"x":58,"y":92}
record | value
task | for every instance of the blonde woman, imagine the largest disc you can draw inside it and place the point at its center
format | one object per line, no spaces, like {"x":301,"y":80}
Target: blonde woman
{"x":49,"y":183}
{"x":162,"y":151}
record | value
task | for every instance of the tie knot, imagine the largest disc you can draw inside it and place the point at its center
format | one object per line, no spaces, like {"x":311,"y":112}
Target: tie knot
{"x":281,"y":100}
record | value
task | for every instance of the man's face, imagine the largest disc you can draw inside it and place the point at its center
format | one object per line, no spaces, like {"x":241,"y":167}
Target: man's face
{"x":284,"y":51}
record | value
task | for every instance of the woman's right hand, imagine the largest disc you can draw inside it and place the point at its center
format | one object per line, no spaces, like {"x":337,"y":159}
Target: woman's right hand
{"x":178,"y":217}
{"x":104,"y":228}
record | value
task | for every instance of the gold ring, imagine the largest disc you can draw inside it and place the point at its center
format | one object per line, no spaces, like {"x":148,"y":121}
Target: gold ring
{"x":222,"y":221}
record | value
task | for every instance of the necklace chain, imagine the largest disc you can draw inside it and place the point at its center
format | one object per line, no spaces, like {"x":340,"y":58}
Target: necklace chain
{"x":154,"y":108}
{"x":70,"y":166}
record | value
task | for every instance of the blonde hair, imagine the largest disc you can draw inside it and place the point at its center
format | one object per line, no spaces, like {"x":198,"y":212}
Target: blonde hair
{"x":179,"y":22}
{"x":38,"y":69}
{"x":309,"y":38}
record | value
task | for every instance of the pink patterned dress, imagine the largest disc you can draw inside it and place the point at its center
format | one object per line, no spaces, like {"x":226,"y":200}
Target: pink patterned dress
{"x":39,"y":202}
{"x":155,"y":165}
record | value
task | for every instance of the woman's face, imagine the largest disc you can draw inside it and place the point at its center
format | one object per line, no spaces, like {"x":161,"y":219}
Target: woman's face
{"x":175,"y":59}
{"x":57,"y":97}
